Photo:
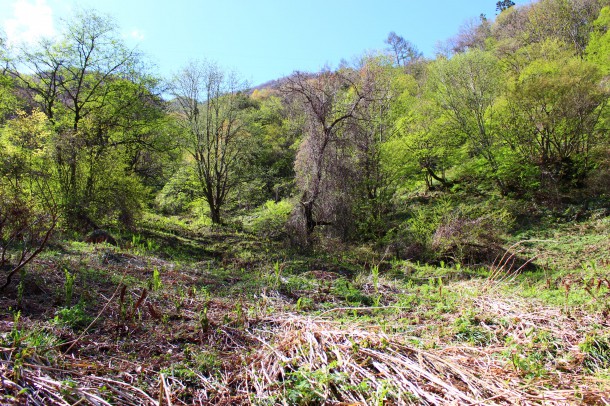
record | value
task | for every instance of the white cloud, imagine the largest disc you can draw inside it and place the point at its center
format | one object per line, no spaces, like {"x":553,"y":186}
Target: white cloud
{"x":31,"y":20}
{"x":136,"y":34}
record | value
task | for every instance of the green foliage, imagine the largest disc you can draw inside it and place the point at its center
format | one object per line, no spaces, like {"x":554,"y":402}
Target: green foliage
{"x":179,"y":192}
{"x":155,"y":282}
{"x":305,"y":386}
{"x":553,"y":116}
{"x":68,"y":288}
{"x":352,"y":295}
{"x":598,"y":49}
{"x":269,"y":220}
{"x":74,"y":317}
{"x":468,"y":328}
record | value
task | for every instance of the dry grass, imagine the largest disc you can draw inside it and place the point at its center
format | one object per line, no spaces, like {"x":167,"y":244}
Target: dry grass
{"x":267,"y":351}
{"x":298,"y":359}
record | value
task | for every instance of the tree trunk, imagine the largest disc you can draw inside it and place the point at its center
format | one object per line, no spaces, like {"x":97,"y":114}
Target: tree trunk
{"x":215,"y":214}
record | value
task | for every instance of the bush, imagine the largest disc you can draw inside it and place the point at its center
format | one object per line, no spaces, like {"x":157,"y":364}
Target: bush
{"x":447,"y":231}
{"x":470,"y":238}
{"x":179,"y":192}
{"x":74,"y":317}
{"x":270,"y":220}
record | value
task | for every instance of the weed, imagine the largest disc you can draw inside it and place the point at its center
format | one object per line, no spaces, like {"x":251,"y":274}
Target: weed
{"x":351,"y":295}
{"x":375,"y":277}
{"x":240,"y":317}
{"x":152,"y":245}
{"x":136,"y":240}
{"x":304,"y":303}
{"x":277,"y":271}
{"x":155,"y":283}
{"x":26,"y":345}
{"x":597,"y":352}
{"x":207,"y":362}
{"x":74,"y":317}
{"x":20,"y":291}
{"x":306,"y":387}
{"x":470,"y":330}
{"x":68,"y":288}
{"x":204,"y":321}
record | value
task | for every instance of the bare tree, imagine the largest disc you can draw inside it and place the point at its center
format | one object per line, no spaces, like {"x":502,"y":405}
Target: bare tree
{"x":208,"y":106}
{"x":472,"y":35}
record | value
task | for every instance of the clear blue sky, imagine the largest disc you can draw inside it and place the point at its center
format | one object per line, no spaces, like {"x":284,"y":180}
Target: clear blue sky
{"x":260,"y":39}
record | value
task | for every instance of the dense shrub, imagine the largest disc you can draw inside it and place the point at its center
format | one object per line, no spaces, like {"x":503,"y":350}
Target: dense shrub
{"x":270,"y":220}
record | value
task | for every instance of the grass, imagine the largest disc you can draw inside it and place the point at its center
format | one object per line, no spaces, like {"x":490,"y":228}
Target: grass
{"x":215,"y":316}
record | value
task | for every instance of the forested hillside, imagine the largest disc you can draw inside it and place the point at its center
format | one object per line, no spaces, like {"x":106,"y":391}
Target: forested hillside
{"x":396,"y":230}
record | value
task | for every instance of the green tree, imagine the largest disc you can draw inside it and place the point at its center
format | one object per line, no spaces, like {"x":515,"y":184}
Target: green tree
{"x":427,"y":144}
{"x":466,"y":87}
{"x":89,"y":85}
{"x":28,"y":212}
{"x":554,"y":109}
{"x":372,"y":128}
{"x":504,"y":5}
{"x":598,"y":49}
{"x":272,"y":150}
{"x":8,"y":101}
{"x":569,"y":21}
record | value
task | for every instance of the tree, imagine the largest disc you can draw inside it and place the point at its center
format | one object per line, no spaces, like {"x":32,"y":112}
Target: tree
{"x":369,"y":131}
{"x":25,"y":227}
{"x":324,"y":162}
{"x":272,"y":149}
{"x":88,"y":85}
{"x":466,"y":87}
{"x":472,"y":35}
{"x":555,"y":108}
{"x":426,"y":144}
{"x":404,"y":52}
{"x":28,"y":212}
{"x":208,"y":105}
{"x":569,"y":21}
{"x":8,"y":101}
{"x":504,"y":5}
{"x":598,"y":49}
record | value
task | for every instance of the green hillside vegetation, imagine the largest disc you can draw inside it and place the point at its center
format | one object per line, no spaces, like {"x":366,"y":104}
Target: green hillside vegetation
{"x":398,"y":230}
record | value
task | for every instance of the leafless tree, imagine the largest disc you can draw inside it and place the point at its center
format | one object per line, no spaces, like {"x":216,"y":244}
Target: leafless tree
{"x":208,"y":106}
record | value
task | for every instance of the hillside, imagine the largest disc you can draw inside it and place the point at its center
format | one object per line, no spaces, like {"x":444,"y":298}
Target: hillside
{"x":201,"y":316}
{"x":397,"y":230}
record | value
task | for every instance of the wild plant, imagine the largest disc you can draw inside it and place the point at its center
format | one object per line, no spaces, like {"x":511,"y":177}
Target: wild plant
{"x":68,"y":288}
{"x":155,"y":282}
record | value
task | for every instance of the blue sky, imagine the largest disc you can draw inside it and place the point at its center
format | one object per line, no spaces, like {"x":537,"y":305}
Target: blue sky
{"x":260,"y":39}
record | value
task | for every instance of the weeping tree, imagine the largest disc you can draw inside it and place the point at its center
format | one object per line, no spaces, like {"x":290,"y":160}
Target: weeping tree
{"x":209,"y":106}
{"x":327,"y":160}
